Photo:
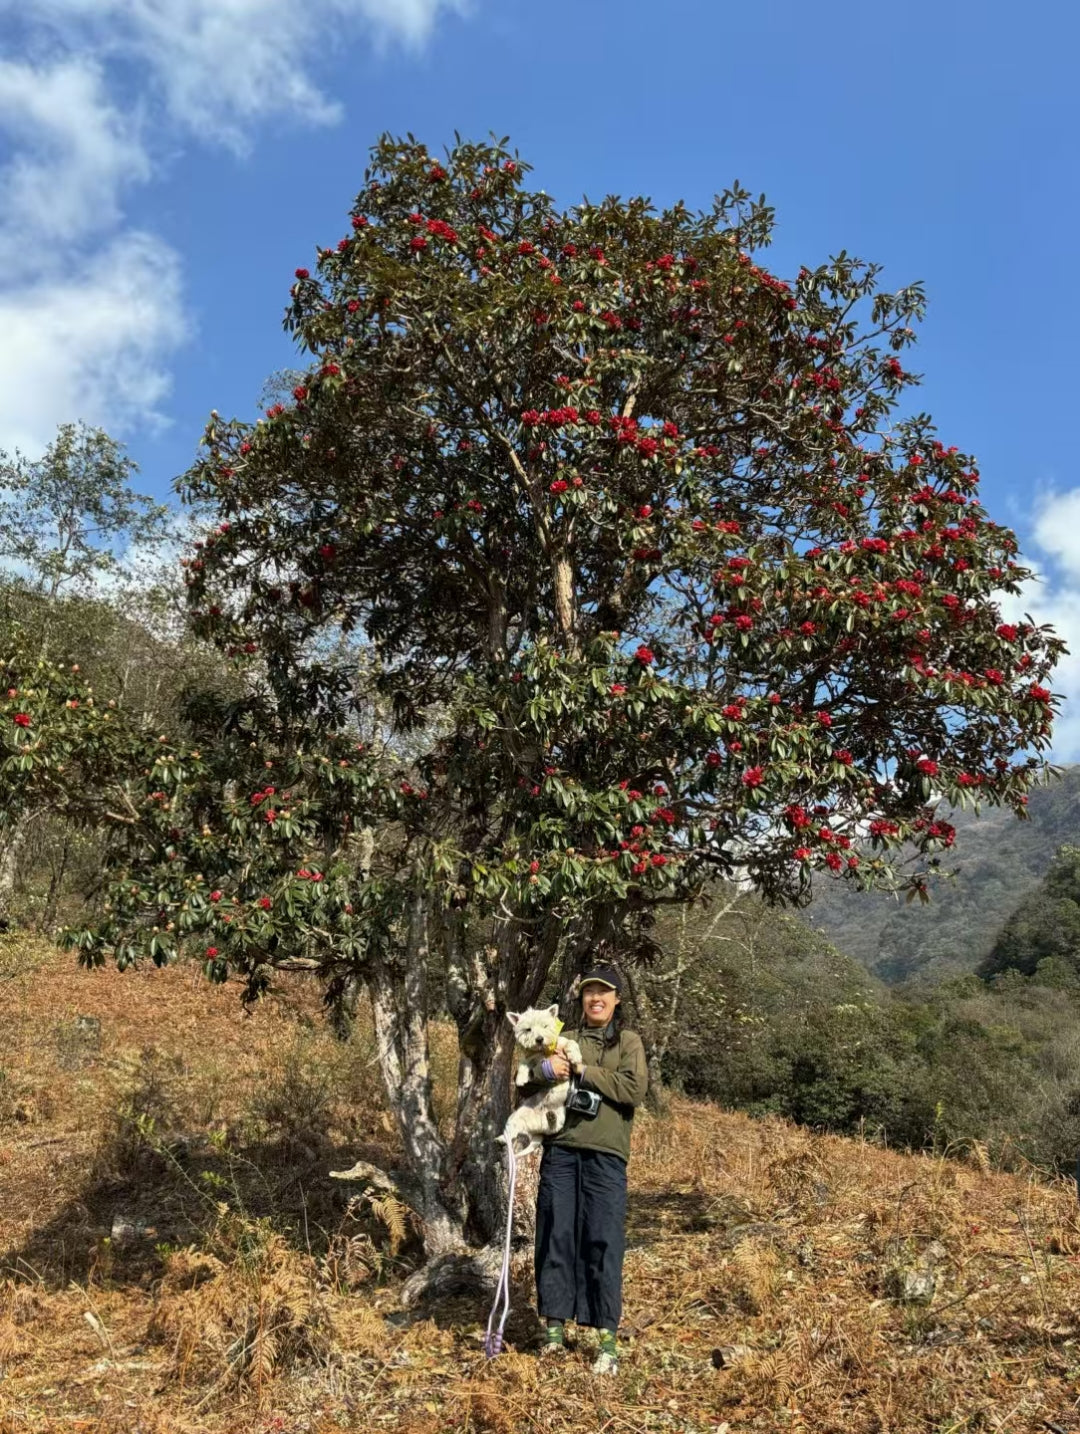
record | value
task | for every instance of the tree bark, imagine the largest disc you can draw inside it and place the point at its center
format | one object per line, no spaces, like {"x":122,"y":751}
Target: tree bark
{"x":11,"y":844}
{"x":399,"y":1007}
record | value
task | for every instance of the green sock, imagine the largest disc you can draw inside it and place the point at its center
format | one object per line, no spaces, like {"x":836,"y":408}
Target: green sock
{"x":607,"y":1341}
{"x":555,"y":1333}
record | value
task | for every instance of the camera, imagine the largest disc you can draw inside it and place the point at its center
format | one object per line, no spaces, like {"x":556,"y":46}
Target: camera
{"x":583,"y":1102}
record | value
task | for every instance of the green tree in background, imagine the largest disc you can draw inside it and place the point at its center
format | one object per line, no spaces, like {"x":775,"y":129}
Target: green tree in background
{"x":1046,"y":924}
{"x":63,"y":515}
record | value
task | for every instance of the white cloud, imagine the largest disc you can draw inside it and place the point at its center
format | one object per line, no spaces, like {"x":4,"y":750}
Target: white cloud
{"x":221,"y":65}
{"x":1057,"y":529}
{"x":91,"y":311}
{"x":91,"y":343}
{"x":76,"y":153}
{"x":1053,"y":596}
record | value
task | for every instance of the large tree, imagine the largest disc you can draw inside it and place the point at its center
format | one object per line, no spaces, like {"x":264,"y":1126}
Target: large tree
{"x":657,"y":591}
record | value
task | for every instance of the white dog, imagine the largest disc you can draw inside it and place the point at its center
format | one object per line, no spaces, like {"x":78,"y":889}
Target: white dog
{"x":536,"y":1033}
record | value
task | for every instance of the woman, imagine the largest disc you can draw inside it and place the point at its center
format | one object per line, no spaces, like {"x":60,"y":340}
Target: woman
{"x":581,"y":1204}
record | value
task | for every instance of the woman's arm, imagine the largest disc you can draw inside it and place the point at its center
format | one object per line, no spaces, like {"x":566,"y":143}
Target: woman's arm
{"x":627,"y":1084}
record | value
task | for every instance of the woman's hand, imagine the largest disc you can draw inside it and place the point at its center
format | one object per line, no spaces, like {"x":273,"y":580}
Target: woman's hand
{"x":560,"y":1066}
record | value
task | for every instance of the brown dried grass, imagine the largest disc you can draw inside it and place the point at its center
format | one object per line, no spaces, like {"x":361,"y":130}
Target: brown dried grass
{"x":750,"y":1237}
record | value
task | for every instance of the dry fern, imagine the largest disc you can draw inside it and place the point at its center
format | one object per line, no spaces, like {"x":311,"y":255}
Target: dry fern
{"x":756,"y":1269}
{"x":394,"y":1214}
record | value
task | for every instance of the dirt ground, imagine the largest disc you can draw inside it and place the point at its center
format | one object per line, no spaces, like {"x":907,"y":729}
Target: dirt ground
{"x":175,"y":1257}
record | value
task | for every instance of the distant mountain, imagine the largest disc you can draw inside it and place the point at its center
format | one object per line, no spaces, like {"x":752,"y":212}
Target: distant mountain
{"x":999,"y":860}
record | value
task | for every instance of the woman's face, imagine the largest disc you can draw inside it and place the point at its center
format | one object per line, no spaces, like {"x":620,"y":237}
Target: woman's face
{"x":598,"y":1003}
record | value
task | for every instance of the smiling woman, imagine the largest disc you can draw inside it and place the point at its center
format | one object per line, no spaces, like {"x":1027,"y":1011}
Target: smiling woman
{"x":581,"y":1202}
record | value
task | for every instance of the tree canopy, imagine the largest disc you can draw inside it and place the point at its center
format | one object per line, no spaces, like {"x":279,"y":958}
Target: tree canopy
{"x":655,"y":587}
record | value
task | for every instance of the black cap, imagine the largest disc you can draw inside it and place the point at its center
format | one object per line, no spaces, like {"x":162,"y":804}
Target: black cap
{"x":605,"y":975}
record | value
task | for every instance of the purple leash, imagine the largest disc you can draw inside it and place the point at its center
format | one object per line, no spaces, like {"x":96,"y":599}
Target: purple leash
{"x":493,"y":1340}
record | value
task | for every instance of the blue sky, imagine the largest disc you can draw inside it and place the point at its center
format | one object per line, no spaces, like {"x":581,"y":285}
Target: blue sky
{"x":166,"y":164}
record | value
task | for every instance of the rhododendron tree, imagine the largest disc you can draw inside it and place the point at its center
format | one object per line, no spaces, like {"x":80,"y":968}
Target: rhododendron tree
{"x":657,"y":587}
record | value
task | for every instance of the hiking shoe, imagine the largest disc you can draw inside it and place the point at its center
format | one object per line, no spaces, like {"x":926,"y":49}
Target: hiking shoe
{"x":554,"y":1340}
{"x":606,"y":1363}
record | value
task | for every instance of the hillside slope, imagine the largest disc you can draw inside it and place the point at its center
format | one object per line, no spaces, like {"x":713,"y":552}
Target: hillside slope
{"x":999,"y":861}
{"x":158,"y":1281}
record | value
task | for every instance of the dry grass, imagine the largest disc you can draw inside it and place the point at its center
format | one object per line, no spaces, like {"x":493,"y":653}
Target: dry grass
{"x":175,"y":1259}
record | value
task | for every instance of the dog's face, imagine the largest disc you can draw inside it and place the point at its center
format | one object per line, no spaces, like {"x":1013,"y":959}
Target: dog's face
{"x":536,"y":1030}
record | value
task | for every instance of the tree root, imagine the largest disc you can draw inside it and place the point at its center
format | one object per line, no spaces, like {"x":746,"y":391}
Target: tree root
{"x":456,"y":1272}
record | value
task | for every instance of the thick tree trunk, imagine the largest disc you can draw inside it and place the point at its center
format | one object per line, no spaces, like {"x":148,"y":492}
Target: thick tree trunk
{"x":458,"y":1189}
{"x":399,"y":1007}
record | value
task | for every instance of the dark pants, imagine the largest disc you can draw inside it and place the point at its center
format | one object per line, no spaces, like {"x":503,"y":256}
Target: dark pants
{"x":580,"y":1236}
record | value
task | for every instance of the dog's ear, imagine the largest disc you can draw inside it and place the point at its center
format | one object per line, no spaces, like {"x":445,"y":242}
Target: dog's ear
{"x":553,"y":1010}
{"x":513,"y":1017}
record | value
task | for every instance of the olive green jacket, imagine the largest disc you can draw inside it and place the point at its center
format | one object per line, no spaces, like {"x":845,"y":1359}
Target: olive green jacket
{"x":620,"y":1074}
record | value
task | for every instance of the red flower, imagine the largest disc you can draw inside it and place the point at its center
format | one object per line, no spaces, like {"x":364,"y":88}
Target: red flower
{"x":302,"y":274}
{"x":834,"y":861}
{"x":270,"y":816}
{"x":659,"y":859}
{"x":21,"y":719}
{"x":534,"y":867}
{"x":713,"y":759}
{"x":1007,"y":631}
{"x":644,"y":655}
{"x":328,"y":552}
{"x":1040,"y":694}
{"x":753,"y":776}
{"x":211,"y":951}
{"x":844,"y":756}
{"x":616,"y":688}
{"x":418,"y":242}
{"x":442,"y":229}
{"x":215,"y":897}
{"x":744,"y":622}
{"x":801,"y":853}
{"x":927,"y":767}
{"x":824,"y":719}
{"x":265,"y":903}
{"x":559,"y":486}
{"x":639,"y":868}
{"x":593,"y":416}
{"x":647,"y":447}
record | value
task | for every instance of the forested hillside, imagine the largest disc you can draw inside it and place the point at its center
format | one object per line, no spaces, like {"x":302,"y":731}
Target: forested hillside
{"x":998,"y":861}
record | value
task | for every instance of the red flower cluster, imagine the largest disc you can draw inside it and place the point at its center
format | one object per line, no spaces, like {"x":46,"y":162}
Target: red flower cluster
{"x":644,"y":655}
{"x":753,"y":776}
{"x":550,"y":417}
{"x":442,"y":229}
{"x":21,"y":719}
